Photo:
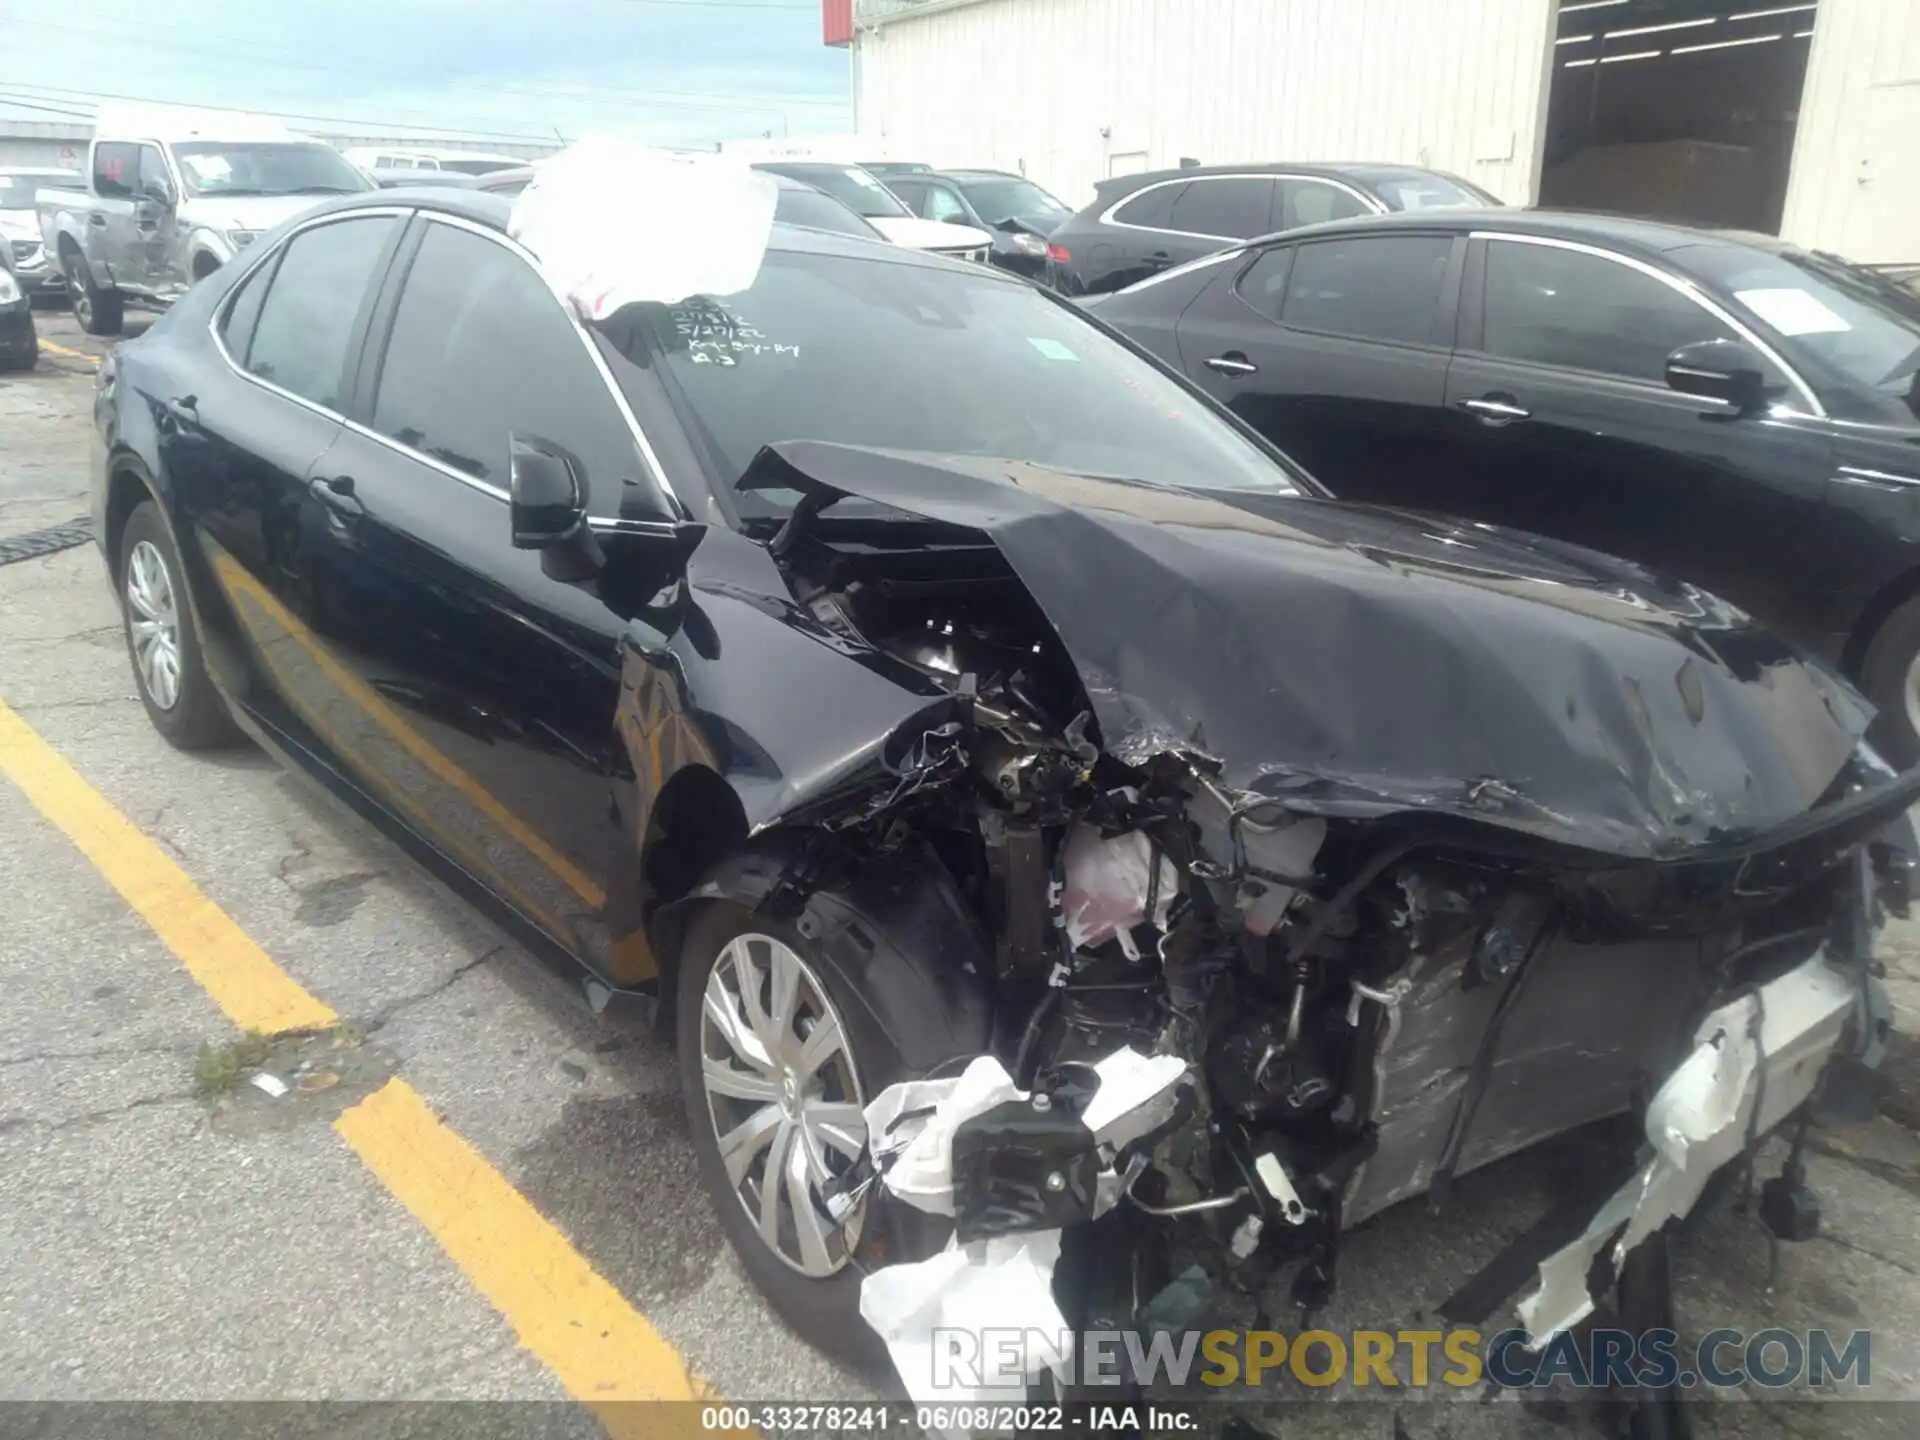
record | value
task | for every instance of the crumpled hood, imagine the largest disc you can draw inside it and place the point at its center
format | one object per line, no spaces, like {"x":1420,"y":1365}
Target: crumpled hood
{"x":247,"y":212}
{"x":1358,"y":662}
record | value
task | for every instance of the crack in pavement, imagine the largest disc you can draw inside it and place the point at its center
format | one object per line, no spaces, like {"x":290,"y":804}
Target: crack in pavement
{"x":70,"y":635}
{"x":111,"y":1052}
{"x":1857,"y":1248}
{"x":407,"y":1002}
{"x":96,"y":1117}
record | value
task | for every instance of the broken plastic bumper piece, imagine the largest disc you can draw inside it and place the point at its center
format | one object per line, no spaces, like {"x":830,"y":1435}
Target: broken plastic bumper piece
{"x":1756,"y":1060}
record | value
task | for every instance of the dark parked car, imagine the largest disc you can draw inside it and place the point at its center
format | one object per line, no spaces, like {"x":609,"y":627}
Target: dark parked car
{"x":390,"y":178}
{"x":1011,"y":208}
{"x":1139,"y":224}
{"x":888,"y":667}
{"x":19,"y":341}
{"x":1725,"y":409}
{"x":798,"y":203}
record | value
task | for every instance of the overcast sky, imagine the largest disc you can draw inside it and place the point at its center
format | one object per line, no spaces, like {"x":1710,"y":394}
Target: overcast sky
{"x":676,"y":72}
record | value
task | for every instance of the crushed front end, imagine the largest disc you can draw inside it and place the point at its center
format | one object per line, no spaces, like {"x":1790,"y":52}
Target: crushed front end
{"x":1265,"y":960}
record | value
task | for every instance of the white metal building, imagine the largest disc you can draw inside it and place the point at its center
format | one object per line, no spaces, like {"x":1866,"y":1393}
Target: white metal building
{"x":1760,"y":114}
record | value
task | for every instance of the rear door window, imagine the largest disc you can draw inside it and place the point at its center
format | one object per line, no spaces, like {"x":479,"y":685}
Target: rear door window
{"x":1235,"y":207}
{"x":307,"y":320}
{"x":1374,"y":287}
{"x":480,"y":350}
{"x":1309,"y":202}
{"x":1263,"y":284}
{"x":1152,"y":208}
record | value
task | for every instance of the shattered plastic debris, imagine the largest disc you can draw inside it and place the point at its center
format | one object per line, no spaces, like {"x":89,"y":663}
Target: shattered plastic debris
{"x":920,"y":1171}
{"x":996,"y":1284}
{"x":614,"y":221}
{"x":1765,"y":1049}
{"x":1136,"y":1096}
{"x":269,"y":1084}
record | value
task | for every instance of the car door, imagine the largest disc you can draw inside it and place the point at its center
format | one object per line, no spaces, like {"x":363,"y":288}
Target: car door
{"x":239,"y":454}
{"x":1560,"y":421}
{"x":1133,"y":240}
{"x":485,"y":690}
{"x":1336,"y":350}
{"x":156,"y":213}
{"x":114,"y":248}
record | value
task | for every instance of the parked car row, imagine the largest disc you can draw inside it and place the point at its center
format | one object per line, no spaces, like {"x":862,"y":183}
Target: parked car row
{"x":1727,"y":409}
{"x":896,"y":672}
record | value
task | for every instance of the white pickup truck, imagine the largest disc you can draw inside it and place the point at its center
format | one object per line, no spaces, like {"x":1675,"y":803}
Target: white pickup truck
{"x":170,"y":197}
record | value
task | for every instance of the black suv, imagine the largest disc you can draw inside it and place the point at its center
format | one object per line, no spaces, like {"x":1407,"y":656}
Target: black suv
{"x":1139,"y":224}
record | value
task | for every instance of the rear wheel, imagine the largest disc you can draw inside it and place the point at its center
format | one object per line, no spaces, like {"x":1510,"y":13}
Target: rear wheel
{"x":161,"y":639}
{"x":100,"y":312}
{"x":1891,"y":678}
{"x":777,"y":1058}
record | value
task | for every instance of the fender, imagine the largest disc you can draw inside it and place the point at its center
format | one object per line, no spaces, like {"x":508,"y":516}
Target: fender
{"x":894,"y":925}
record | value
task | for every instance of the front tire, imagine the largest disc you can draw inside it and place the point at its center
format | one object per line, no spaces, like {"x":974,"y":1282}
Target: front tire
{"x":100,"y":312}
{"x":1890,"y":676}
{"x":161,"y":640}
{"x":777,"y":1056}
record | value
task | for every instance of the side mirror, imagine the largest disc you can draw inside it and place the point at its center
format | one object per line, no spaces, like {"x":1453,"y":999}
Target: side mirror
{"x":1726,"y":370}
{"x":547,"y":506}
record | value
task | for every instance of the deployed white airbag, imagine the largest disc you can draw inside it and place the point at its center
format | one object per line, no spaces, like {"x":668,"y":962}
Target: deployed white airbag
{"x":614,"y":221}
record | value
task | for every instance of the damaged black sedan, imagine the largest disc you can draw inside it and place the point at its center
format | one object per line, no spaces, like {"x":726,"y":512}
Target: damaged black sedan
{"x":1038,"y":810}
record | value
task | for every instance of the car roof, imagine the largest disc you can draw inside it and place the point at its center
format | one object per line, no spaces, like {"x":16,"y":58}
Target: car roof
{"x":974,"y":175}
{"x":485,"y":208}
{"x":1364,"y":170}
{"x":1619,"y":232}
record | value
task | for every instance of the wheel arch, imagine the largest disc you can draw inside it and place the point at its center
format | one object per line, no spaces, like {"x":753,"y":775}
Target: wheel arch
{"x":894,"y":924}
{"x":1874,"y":614}
{"x":129,"y":482}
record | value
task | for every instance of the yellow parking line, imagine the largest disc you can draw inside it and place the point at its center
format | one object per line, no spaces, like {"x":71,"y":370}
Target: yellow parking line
{"x":578,"y":1324}
{"x":255,"y":993}
{"x":66,"y":354}
{"x":598,"y":1346}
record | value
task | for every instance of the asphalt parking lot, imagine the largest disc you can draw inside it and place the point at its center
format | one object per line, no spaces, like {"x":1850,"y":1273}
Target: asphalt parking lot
{"x":156,"y":1244}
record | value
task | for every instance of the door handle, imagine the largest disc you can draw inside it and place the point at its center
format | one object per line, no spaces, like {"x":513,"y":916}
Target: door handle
{"x":1159,"y":260}
{"x":1231,"y":363}
{"x":336,"y":493}
{"x":1497,"y":409}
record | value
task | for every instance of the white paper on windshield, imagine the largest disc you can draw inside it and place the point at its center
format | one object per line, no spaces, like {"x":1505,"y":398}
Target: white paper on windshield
{"x":1791,"y":311}
{"x":207,"y":169}
{"x":614,"y":221}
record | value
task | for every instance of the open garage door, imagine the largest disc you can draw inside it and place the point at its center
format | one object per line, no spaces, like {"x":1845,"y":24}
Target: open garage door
{"x":1676,"y":109}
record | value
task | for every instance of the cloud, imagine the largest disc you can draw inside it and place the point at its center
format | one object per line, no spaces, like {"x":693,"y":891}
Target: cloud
{"x":681,"y":73}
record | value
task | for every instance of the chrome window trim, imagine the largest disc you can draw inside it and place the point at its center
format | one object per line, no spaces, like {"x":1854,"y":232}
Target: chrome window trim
{"x":1374,"y":207}
{"x":255,"y":261}
{"x":1217,"y":257}
{"x":1876,"y":479}
{"x":1679,"y":285}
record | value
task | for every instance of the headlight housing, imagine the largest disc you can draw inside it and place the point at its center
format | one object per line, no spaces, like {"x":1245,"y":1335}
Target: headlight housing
{"x":9,"y":288}
{"x":1024,"y":244}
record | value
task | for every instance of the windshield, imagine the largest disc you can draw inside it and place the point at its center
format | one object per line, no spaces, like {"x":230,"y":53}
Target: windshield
{"x":17,"y":192}
{"x":997,"y":200}
{"x":853,"y":188}
{"x":1850,"y":320}
{"x":821,"y":212}
{"x":870,"y":351}
{"x":481,"y":166}
{"x":267,"y":167}
{"x":1429,"y":192}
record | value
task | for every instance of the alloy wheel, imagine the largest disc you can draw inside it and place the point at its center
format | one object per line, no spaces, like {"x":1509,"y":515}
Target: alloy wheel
{"x":80,"y":286}
{"x":1912,"y":694}
{"x":784,"y":1098}
{"x":155,"y":624}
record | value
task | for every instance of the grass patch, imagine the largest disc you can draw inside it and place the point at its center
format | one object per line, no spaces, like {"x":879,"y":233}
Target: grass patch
{"x":219,"y":1068}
